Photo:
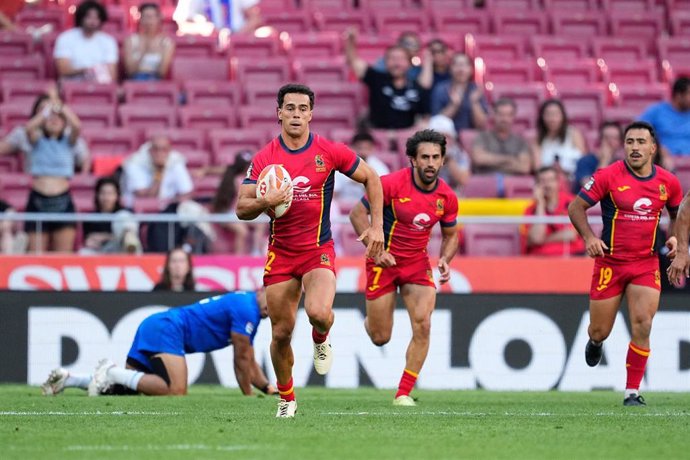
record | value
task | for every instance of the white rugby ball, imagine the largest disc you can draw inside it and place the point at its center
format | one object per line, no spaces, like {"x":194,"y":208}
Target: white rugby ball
{"x":274,"y":176}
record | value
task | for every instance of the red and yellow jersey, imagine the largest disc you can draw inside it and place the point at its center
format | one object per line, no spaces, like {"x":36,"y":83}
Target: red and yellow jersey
{"x":631,"y":207}
{"x":409,"y":213}
{"x":312,"y":168}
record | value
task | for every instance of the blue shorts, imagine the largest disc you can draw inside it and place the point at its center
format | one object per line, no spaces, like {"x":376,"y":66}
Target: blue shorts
{"x":159,"y":333}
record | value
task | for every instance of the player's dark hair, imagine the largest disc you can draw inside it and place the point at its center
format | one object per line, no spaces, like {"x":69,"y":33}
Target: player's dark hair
{"x":542,"y":131}
{"x":544,"y":169}
{"x":102,"y":182}
{"x":294,"y":88}
{"x":438,"y":41}
{"x":681,"y":85}
{"x":84,"y":8}
{"x":425,"y":135}
{"x":641,"y":125}
{"x":363,"y":136}
{"x":610,"y":124}
{"x":166,"y":281}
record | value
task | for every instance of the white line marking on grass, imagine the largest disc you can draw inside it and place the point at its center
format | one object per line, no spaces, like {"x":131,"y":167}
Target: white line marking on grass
{"x":154,"y":447}
{"x":511,"y":414}
{"x":71,"y":414}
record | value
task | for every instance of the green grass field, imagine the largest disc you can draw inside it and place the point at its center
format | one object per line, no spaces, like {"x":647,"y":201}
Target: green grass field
{"x":214,"y":422}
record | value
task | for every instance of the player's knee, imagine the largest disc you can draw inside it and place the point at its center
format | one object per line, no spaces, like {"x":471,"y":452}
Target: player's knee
{"x":178,"y":390}
{"x":282,"y":333}
{"x":379,"y":338}
{"x":599,"y":333}
{"x":422,"y":327}
{"x":642,"y":326}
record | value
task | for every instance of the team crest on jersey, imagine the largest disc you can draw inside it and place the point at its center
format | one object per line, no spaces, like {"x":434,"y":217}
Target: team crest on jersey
{"x":430,"y":275}
{"x":657,"y":278}
{"x":589,"y":184}
{"x":439,"y":207}
{"x":325,"y":260}
{"x":663,"y":195}
{"x":320,"y":165}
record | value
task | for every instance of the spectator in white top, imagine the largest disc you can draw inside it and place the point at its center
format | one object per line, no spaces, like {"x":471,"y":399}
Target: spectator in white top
{"x":84,"y":52}
{"x":148,"y":53}
{"x":157,"y":171}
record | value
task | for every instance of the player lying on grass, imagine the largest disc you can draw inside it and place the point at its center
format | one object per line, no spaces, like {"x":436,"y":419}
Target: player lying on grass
{"x":156,"y":362}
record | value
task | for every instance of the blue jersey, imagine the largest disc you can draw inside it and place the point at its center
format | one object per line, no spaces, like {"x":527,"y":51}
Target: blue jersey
{"x":207,"y":324}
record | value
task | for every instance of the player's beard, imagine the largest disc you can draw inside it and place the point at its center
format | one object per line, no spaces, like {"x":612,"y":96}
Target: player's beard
{"x":424,"y":178}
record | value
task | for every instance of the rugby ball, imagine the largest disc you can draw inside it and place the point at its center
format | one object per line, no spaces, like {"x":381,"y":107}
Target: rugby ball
{"x":274,"y":176}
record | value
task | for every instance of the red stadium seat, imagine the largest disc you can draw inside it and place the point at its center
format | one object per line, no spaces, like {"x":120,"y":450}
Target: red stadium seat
{"x":81,"y":92}
{"x":199,"y":68}
{"x":143,"y":117}
{"x":554,"y":48}
{"x":288,"y":21}
{"x":583,"y":100}
{"x":9,"y":164}
{"x":196,"y":46}
{"x":38,"y":17}
{"x":433,"y":5}
{"x":15,"y":44}
{"x":277,"y":5}
{"x":512,"y":5}
{"x":83,"y":183}
{"x":328,"y":5}
{"x":491,"y":240}
{"x":480,"y":185}
{"x":14,"y":114}
{"x":151,"y":93}
{"x":328,"y":119}
{"x":275,"y":71}
{"x":30,"y":67}
{"x":340,"y":21}
{"x":573,"y":5}
{"x":207,"y":117}
{"x":518,"y":186}
{"x":678,"y":5}
{"x":674,"y":53}
{"x":497,"y":48}
{"x":117,"y":20}
{"x":642,"y":24}
{"x":112,"y":141}
{"x":525,"y":23}
{"x":182,"y":139}
{"x":197,"y":158}
{"x":261,"y":95}
{"x":614,"y":49}
{"x":628,"y":5}
{"x":509,"y":72}
{"x":680,"y":23}
{"x":637,"y":73}
{"x":526,"y":97}
{"x":622,"y":115}
{"x":640,"y":97}
{"x":393,"y":22}
{"x":467,"y":21}
{"x":206,"y":186}
{"x":259,"y":119}
{"x":313,"y":45}
{"x":321,"y":70}
{"x":15,"y":189}
{"x":254,"y":48}
{"x":343,"y":96}
{"x":376,"y":6}
{"x":22,"y":92}
{"x":580,"y":73}
{"x":578,"y":24}
{"x":222,"y":93}
{"x":95,"y":116}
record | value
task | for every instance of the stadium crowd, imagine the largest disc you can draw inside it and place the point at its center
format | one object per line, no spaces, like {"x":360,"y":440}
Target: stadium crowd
{"x":124,"y":107}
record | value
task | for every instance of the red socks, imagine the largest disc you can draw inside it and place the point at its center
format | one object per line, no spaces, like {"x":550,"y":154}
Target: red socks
{"x":407,"y":382}
{"x":635,"y":363}
{"x":287,"y":392}
{"x":317,"y":336}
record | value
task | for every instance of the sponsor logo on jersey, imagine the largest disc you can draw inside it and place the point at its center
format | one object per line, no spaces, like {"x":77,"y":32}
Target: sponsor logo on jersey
{"x":663,"y":195}
{"x":439,"y":207}
{"x":249,"y":170}
{"x":421,"y":221}
{"x":249,"y":328}
{"x":623,"y":188}
{"x":405,"y":199}
{"x":320,"y":165}
{"x":643,"y":206}
{"x":325,"y":260}
{"x":590,"y":183}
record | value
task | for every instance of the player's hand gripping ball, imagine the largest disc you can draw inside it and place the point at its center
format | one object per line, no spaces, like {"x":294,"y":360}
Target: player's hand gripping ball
{"x":274,"y":177}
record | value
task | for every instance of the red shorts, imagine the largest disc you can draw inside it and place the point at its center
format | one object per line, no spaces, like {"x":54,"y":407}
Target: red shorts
{"x":381,"y":280}
{"x":610,"y":276}
{"x":282,"y":265}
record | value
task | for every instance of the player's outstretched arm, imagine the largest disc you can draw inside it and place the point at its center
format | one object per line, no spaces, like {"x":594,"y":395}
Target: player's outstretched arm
{"x":373,"y":233}
{"x":259,"y":379}
{"x":244,"y":362}
{"x":249,"y":207}
{"x":680,"y":266}
{"x":577,"y":211}
{"x":449,"y":247}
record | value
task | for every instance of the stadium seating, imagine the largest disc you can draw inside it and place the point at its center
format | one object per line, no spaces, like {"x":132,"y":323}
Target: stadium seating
{"x":288,"y":21}
{"x":491,"y":240}
{"x":578,"y":24}
{"x":524,"y":23}
{"x":207,"y":117}
{"x":15,"y":44}
{"x":196,"y":46}
{"x":112,"y":141}
{"x":222,"y":93}
{"x":30,"y":67}
{"x":162,"y":93}
{"x":18,"y":92}
{"x":468,"y":21}
{"x":143,"y":117}
{"x":80,"y":92}
{"x":200,"y":68}
{"x":182,"y":139}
